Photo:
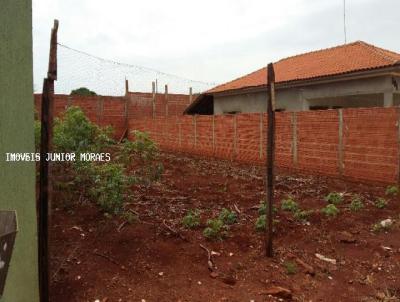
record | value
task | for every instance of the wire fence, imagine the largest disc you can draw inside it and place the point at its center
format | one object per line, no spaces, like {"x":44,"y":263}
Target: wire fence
{"x":106,"y":77}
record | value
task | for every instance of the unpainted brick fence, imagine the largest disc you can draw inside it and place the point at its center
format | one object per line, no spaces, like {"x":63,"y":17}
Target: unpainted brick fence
{"x":361,"y":144}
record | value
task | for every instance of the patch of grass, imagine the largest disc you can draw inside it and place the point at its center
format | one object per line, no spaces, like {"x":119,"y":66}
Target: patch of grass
{"x":227,"y":216}
{"x":356,"y":203}
{"x":334,"y":198}
{"x":380,"y":203}
{"x":290,"y":267}
{"x":330,"y":210}
{"x":216,"y":229}
{"x":191,"y":219}
{"x":392,"y":191}
{"x":289,"y":204}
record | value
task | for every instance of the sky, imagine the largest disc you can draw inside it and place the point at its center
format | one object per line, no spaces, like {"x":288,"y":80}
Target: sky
{"x":213,"y":41}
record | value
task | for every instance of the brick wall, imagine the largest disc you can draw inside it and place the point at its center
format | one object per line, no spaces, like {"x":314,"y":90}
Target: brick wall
{"x":361,"y":144}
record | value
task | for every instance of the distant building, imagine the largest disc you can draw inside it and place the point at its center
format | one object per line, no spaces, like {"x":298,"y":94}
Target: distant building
{"x":351,"y":75}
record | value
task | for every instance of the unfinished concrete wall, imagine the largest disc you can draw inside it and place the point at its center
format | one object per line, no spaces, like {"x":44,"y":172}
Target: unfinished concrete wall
{"x":368,"y":92}
{"x":17,"y":179}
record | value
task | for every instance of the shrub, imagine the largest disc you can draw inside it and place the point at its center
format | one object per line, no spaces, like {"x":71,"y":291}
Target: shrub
{"x":73,"y":132}
{"x":356,"y":203}
{"x":110,"y":186}
{"x":216,"y":229}
{"x":143,"y":153}
{"x":83,"y":91}
{"x":334,"y":198}
{"x":290,"y":267}
{"x":289,"y":205}
{"x":330,"y":210}
{"x":191,"y":219}
{"x":381,"y":203}
{"x":227,"y":216}
{"x":392,"y":190}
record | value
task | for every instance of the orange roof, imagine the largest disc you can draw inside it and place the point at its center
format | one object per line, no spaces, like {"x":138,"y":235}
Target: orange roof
{"x":357,"y":56}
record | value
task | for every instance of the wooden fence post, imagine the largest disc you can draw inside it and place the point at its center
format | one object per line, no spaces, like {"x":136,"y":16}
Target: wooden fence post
{"x":190,"y":95}
{"x":126,"y":87}
{"x":270,"y":160}
{"x":45,"y":183}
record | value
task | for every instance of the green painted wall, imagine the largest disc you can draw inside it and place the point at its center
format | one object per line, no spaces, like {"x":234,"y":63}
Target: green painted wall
{"x":17,"y":180}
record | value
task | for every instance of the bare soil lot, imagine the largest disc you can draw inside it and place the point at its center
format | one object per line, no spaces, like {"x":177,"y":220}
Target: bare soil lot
{"x":98,"y":258}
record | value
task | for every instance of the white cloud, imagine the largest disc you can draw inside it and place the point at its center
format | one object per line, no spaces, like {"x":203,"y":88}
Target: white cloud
{"x":208,"y":40}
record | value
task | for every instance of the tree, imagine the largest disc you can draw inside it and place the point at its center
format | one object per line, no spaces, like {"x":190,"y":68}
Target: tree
{"x":83,"y":91}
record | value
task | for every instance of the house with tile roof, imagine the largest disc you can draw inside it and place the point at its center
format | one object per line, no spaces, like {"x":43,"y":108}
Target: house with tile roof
{"x":351,"y":75}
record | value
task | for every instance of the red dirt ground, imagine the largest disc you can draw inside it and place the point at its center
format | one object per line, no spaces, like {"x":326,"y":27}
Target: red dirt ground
{"x":145,"y":261}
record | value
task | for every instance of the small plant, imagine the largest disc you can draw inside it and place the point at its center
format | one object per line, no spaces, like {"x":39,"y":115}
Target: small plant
{"x":378,"y":227}
{"x":330,"y":210}
{"x":111,"y":186}
{"x":191,"y":219}
{"x":227,"y":216}
{"x":290,"y":205}
{"x":334,"y":198}
{"x":302,"y":215}
{"x":356,"y":203}
{"x":263,"y":208}
{"x":130,"y":217}
{"x":392,"y":191}
{"x":216,"y":229}
{"x":261,"y":223}
{"x":381,"y":203}
{"x":290,"y":267}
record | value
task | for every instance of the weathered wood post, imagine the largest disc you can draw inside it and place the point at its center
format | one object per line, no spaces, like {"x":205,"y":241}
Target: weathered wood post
{"x":270,"y":178}
{"x":45,"y":169}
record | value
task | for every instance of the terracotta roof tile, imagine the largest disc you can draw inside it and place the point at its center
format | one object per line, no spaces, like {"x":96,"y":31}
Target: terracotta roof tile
{"x":337,"y":60}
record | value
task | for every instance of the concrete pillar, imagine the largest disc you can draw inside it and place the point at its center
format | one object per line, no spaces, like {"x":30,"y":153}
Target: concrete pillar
{"x":305,"y":105}
{"x":294,"y":139}
{"x":388,"y":99}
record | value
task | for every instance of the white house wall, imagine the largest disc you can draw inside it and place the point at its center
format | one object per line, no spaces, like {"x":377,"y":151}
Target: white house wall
{"x":368,"y":92}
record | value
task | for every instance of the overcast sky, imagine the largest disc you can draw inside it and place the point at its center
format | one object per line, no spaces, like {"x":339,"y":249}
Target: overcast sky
{"x":209,"y":40}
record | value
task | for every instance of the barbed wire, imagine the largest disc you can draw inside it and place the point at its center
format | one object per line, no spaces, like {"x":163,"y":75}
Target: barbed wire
{"x":107,"y":77}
